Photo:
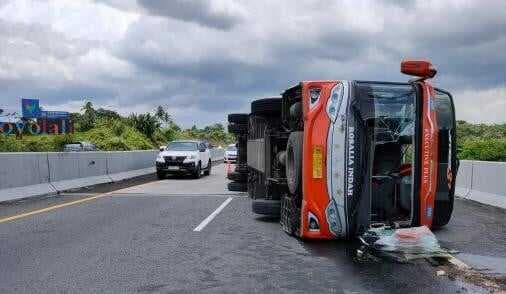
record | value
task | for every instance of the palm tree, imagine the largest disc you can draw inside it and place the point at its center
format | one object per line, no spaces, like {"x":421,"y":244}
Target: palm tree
{"x":145,"y":123}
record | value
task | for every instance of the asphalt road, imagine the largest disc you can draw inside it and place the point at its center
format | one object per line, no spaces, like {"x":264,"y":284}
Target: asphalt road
{"x":141,"y":239}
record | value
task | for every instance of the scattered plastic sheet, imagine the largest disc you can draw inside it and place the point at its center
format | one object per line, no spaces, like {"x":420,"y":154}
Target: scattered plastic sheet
{"x":402,"y":245}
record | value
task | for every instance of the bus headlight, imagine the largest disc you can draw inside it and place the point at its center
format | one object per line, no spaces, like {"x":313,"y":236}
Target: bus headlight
{"x":333,"y":218}
{"x":334,"y":103}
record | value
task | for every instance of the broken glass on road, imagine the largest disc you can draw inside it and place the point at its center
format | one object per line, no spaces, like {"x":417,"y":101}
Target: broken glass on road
{"x":402,"y":245}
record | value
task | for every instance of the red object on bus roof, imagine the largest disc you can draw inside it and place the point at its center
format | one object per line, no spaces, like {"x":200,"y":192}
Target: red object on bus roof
{"x":419,"y":68}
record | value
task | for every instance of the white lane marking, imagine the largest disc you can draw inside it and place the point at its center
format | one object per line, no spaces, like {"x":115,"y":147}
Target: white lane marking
{"x":208,"y":219}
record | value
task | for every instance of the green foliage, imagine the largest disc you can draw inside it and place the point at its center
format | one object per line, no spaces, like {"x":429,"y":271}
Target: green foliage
{"x":107,"y":136}
{"x":102,"y":113}
{"x":170,"y":133}
{"x":118,"y":143}
{"x":467,"y":131}
{"x":481,"y":141}
{"x":30,"y":143}
{"x":87,"y":121}
{"x":214,"y":134}
{"x":163,"y":116}
{"x":118,"y":127}
{"x":145,"y":123}
{"x":489,"y":150}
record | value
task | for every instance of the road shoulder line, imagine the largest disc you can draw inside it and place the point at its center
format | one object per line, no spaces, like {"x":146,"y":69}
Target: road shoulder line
{"x":50,"y":208}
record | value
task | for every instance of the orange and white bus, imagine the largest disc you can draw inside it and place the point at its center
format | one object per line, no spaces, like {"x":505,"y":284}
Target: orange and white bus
{"x":335,"y":157}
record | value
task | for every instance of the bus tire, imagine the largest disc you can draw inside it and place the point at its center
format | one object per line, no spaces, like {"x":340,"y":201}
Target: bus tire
{"x":238,"y":128}
{"x":294,"y":162}
{"x":238,"y":177}
{"x":266,"y":107}
{"x":238,"y":118}
{"x":237,"y":187}
{"x":266,"y":207}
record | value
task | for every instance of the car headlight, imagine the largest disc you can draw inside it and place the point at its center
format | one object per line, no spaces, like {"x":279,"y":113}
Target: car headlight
{"x":160,"y":158}
{"x":193,"y":156}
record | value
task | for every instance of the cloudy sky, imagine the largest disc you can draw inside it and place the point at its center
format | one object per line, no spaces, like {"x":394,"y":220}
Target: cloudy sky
{"x":202,"y":59}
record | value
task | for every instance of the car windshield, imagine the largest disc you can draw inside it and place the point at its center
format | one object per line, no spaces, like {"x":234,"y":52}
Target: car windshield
{"x":231,"y":148}
{"x":182,"y":146}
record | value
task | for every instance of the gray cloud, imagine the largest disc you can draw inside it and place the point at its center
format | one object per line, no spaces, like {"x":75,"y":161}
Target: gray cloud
{"x":197,"y":11}
{"x":203,"y":59}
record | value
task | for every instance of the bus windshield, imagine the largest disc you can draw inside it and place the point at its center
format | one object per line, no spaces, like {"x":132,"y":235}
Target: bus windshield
{"x":390,"y":114}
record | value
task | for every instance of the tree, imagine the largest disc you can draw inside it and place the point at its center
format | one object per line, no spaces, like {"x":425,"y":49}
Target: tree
{"x":87,"y":120}
{"x":102,"y":113}
{"x":145,"y":123}
{"x":163,"y":115}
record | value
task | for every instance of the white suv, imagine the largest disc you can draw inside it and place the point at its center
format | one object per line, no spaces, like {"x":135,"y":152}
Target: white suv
{"x":184,"y":157}
{"x":231,"y":153}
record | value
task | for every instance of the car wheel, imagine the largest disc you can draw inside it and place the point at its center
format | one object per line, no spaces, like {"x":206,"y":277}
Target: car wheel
{"x":208,"y":170}
{"x":198,"y":171}
{"x":160,"y":175}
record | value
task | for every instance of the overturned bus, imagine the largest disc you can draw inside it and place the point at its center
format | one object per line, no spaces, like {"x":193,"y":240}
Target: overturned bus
{"x":334,"y":158}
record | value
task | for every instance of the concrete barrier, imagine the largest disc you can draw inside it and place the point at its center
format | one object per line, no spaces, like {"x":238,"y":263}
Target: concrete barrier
{"x":217,"y":154}
{"x":130,"y":164}
{"x":70,"y":170}
{"x":464,"y":178}
{"x":482,"y":181}
{"x":24,"y":175}
{"x":31,"y":174}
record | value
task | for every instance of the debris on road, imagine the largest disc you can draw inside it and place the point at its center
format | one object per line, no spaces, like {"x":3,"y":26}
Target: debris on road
{"x":402,"y":245}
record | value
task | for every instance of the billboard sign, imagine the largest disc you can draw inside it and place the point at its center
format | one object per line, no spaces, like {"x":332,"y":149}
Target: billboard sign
{"x":30,"y":108}
{"x":54,"y":114}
